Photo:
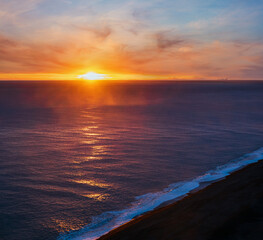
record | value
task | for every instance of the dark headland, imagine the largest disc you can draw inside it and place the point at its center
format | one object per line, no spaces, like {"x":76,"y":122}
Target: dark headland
{"x":229,"y":209}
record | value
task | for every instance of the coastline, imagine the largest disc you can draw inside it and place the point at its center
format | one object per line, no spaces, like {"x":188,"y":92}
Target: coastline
{"x":226,"y":209}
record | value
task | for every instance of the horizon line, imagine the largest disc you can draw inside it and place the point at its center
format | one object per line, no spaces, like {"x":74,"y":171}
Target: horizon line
{"x":123,"y":80}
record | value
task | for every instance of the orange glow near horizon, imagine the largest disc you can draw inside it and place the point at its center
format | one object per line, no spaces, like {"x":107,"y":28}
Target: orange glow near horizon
{"x":91,"y":76}
{"x":115,"y":63}
{"x":130,"y":41}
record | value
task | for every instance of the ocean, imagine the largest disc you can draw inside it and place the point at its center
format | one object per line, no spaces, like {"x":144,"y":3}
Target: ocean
{"x":78,"y":158}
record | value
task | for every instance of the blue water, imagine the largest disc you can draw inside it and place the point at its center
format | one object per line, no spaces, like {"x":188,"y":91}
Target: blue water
{"x":70,"y":151}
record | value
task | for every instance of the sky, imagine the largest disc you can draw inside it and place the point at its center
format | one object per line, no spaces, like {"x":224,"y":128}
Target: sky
{"x":136,"y":39}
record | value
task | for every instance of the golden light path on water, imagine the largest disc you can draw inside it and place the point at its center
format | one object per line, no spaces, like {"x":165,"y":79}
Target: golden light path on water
{"x":92,"y":135}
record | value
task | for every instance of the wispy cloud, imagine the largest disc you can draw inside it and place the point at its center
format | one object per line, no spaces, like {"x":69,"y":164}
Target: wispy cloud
{"x":172,"y":38}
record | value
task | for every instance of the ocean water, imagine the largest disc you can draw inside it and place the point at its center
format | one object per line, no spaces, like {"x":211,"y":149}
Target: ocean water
{"x":78,"y":158}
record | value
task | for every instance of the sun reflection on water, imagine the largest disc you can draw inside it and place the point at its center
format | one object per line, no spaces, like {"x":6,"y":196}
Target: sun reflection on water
{"x":97,"y":196}
{"x":92,"y":183}
{"x":63,"y":225}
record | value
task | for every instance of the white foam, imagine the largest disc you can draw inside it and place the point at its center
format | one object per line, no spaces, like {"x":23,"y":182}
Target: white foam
{"x":105,"y":222}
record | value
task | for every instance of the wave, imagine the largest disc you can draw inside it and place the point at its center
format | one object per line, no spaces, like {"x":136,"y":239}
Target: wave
{"x":107,"y":221}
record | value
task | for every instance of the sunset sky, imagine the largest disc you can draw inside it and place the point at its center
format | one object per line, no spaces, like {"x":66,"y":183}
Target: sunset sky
{"x":121,"y":39}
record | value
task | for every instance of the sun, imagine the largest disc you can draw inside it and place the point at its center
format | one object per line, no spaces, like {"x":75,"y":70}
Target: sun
{"x":93,"y":76}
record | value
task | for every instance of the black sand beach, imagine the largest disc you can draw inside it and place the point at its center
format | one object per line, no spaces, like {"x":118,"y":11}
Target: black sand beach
{"x":229,"y":209}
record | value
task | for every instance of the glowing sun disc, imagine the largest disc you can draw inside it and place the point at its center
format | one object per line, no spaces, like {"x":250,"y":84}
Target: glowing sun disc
{"x":93,"y":76}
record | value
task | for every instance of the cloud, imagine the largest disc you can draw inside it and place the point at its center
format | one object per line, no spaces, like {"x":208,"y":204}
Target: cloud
{"x":128,"y":38}
{"x":10,"y":10}
{"x":24,"y":57}
{"x":235,"y":60}
{"x":100,"y":32}
{"x":254,"y":70}
{"x":6,"y":42}
{"x":166,"y":39}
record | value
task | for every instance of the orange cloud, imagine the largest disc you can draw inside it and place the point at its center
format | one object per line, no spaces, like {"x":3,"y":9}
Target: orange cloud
{"x":156,"y":55}
{"x":129,"y":39}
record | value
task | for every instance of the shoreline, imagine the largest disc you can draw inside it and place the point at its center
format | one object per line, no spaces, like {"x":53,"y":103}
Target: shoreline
{"x":226,"y":209}
{"x":107,"y":222}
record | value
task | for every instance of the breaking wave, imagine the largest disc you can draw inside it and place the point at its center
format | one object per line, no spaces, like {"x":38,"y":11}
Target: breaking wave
{"x":107,"y":221}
